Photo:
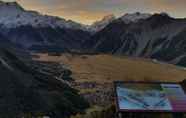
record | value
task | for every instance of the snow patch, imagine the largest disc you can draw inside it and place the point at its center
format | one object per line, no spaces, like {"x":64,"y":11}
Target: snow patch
{"x":128,"y":18}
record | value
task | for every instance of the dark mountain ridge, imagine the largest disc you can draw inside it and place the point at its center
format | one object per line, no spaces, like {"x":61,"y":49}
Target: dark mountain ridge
{"x":40,"y":39}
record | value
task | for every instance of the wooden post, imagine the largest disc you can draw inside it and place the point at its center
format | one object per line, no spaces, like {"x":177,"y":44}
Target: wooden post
{"x":120,"y":115}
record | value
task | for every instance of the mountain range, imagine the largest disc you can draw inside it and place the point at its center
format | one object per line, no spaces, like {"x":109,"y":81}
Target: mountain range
{"x":32,"y":30}
{"x":157,"y":36}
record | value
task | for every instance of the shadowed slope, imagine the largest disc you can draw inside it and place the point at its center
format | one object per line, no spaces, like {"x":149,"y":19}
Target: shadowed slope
{"x":24,"y":91}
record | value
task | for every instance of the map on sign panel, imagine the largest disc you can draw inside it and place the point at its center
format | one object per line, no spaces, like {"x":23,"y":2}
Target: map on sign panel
{"x":142,"y":96}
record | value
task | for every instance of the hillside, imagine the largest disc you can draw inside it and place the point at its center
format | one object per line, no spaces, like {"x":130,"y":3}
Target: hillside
{"x":26,"y":92}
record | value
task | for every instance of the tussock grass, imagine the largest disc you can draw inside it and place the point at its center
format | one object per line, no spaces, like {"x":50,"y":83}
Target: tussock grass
{"x":108,"y":68}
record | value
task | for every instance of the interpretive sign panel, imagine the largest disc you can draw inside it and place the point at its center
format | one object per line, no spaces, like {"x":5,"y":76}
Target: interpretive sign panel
{"x":157,"y":97}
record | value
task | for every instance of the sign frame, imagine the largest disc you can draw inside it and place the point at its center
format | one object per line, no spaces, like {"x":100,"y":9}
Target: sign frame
{"x":143,"y":111}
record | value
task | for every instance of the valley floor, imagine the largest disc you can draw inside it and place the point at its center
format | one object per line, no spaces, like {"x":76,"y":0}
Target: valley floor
{"x":94,"y":74}
{"x":108,"y":68}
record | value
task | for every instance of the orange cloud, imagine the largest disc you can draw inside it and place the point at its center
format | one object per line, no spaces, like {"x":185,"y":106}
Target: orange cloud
{"x":82,"y":16}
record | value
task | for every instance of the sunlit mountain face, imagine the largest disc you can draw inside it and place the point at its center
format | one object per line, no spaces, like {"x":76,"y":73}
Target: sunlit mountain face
{"x":89,"y":11}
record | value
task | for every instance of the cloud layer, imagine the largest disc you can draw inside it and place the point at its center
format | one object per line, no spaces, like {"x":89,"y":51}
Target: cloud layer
{"x":88,"y":11}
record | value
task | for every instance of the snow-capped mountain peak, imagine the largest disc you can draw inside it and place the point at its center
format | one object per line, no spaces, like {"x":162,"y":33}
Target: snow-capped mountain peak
{"x":108,"y":18}
{"x":10,"y":5}
{"x":10,"y":8}
{"x":135,"y":17}
{"x":99,"y":25}
{"x":13,"y":15}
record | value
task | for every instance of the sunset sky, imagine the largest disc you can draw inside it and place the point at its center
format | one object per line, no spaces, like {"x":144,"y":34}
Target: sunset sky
{"x":88,"y":11}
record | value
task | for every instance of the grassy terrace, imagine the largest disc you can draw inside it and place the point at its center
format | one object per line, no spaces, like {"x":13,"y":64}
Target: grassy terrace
{"x":107,"y":68}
